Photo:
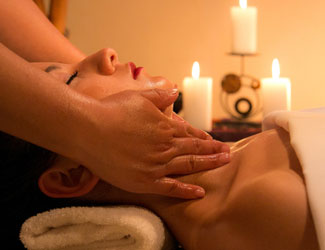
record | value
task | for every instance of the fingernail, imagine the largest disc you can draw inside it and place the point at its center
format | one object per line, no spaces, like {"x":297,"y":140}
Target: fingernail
{"x":172,"y":91}
{"x":199,"y":192}
{"x":224,"y":157}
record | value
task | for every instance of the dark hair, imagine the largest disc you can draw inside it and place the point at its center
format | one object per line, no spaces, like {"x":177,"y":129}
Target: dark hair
{"x":21,"y":165}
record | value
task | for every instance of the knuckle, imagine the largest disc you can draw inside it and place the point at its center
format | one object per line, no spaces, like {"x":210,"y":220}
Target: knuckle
{"x":191,"y":163}
{"x":169,"y":166}
{"x":152,"y":173}
{"x":217,"y":144}
{"x":164,"y":125}
{"x":187,"y":129}
{"x":196,"y":145}
{"x":164,"y":146}
{"x":173,"y":187}
{"x":215,"y":148}
{"x":146,"y":172}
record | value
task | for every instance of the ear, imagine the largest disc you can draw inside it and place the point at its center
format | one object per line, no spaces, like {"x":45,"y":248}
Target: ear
{"x":66,"y":179}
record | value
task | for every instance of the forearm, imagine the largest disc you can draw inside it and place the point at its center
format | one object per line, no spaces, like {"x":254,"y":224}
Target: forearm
{"x":37,"y":108}
{"x":25,"y":30}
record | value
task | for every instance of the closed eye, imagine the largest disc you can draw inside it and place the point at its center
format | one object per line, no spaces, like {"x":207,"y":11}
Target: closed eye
{"x":72,"y":77}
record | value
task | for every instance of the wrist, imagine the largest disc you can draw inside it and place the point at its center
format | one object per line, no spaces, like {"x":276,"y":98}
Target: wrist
{"x":88,"y":130}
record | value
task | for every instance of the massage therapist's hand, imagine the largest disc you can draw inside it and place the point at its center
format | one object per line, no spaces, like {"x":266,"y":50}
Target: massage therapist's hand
{"x":142,"y":146}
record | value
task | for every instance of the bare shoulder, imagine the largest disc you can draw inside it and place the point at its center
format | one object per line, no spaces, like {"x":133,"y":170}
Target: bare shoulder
{"x":271,"y":212}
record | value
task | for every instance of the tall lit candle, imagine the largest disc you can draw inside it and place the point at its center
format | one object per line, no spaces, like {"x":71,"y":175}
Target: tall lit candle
{"x":197,"y":99}
{"x":276,"y":91}
{"x":244,"y":28}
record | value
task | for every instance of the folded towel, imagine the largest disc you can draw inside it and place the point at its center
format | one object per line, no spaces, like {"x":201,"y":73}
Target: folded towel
{"x":307,"y":135}
{"x":90,"y":228}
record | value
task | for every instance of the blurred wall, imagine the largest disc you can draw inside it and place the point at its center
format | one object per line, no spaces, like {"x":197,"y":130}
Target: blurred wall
{"x":167,"y":36}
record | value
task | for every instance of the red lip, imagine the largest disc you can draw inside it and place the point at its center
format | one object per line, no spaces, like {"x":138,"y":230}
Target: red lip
{"x":135,"y":71}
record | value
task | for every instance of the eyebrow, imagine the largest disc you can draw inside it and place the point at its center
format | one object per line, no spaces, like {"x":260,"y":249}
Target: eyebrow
{"x":51,"y":67}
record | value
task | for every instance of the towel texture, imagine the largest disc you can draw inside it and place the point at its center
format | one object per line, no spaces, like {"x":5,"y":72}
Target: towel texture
{"x":307,"y":135}
{"x":85,"y":228}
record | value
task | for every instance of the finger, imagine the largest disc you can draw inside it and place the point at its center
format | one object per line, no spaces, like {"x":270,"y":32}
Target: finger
{"x":181,"y":120}
{"x":184,"y":129}
{"x":224,"y":148}
{"x":161,"y":98}
{"x":188,"y":164}
{"x":174,"y":188}
{"x":195,"y":146}
{"x":177,"y":117}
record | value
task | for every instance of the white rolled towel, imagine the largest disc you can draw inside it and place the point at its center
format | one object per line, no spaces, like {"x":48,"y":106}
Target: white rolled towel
{"x":95,"y":228}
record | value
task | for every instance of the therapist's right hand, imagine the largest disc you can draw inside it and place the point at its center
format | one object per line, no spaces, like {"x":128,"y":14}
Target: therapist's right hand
{"x":141,"y":147}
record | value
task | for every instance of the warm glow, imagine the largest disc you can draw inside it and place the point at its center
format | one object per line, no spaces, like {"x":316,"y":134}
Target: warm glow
{"x":243,"y":4}
{"x":275,"y":68}
{"x":196,"y":70}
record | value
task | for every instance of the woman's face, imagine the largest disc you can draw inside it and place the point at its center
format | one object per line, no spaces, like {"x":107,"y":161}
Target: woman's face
{"x":101,"y":75}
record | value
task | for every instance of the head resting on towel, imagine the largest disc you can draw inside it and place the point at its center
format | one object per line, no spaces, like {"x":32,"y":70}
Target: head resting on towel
{"x":24,"y":165}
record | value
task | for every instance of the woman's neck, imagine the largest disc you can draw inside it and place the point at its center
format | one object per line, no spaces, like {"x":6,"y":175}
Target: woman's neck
{"x":194,"y":221}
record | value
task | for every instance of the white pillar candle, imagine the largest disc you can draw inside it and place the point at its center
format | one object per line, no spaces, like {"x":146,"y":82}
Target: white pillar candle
{"x":244,"y":28}
{"x":197,"y":99}
{"x":276,"y":91}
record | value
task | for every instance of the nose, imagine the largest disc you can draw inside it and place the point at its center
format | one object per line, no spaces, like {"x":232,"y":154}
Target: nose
{"x":107,"y":61}
{"x":102,"y":62}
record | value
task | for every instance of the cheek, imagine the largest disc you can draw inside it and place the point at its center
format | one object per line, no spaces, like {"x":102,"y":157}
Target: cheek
{"x":97,"y":91}
{"x":61,"y":76}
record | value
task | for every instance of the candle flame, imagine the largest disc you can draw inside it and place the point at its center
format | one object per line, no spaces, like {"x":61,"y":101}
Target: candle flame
{"x":196,"y":70}
{"x":275,"y":68}
{"x":243,"y":4}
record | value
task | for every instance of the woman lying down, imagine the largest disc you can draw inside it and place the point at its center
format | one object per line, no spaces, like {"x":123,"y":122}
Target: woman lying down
{"x":257,"y":201}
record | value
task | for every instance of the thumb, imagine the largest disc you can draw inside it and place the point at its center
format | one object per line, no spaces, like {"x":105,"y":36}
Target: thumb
{"x":161,"y":98}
